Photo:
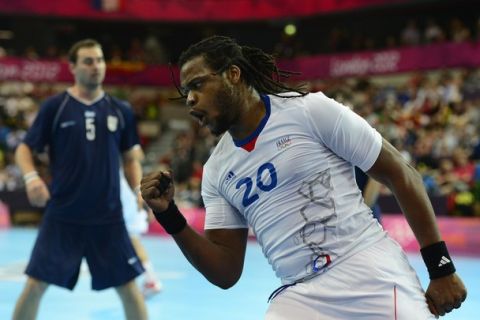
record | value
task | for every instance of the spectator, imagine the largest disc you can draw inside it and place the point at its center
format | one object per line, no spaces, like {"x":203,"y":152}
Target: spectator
{"x":411,"y":34}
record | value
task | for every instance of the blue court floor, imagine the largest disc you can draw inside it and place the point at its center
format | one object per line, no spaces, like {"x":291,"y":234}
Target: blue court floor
{"x":186,"y":295}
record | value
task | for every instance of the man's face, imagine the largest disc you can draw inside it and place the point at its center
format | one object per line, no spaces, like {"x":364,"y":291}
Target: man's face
{"x":89,"y":70}
{"x":210,"y":96}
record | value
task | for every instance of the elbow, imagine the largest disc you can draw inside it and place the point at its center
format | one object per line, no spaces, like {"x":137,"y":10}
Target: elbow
{"x":227,"y":281}
{"x":226,"y":284}
{"x":405,"y":177}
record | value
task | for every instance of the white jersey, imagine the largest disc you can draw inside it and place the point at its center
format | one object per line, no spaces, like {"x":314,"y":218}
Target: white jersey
{"x":293,"y":182}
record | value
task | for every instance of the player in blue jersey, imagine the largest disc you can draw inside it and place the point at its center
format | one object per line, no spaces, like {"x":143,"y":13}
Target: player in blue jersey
{"x":85,"y":132}
{"x":284,"y":166}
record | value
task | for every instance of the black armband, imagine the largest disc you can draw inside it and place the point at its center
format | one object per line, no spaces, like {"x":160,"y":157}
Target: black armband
{"x":171,"y":219}
{"x":437,"y":260}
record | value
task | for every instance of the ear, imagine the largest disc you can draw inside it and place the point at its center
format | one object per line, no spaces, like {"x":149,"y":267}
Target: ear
{"x":71,"y":67}
{"x":234,"y":74}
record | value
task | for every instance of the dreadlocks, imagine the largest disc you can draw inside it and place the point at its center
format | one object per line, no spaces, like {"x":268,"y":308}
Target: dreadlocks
{"x":259,"y":69}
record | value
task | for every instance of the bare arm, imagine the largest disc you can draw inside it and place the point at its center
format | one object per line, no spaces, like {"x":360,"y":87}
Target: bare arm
{"x":24,"y":158}
{"x":132,"y":168}
{"x":37,"y":191}
{"x":445,"y":293}
{"x":219,"y":254}
{"x":407,"y":186}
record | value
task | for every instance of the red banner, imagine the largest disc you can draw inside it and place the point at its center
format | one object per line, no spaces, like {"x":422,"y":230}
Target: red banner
{"x":462,"y":235}
{"x":54,"y":71}
{"x":186,"y":10}
{"x":438,"y":56}
{"x":448,"y":55}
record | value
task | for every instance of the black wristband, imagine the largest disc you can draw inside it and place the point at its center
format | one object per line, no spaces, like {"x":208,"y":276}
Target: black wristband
{"x":171,"y":219}
{"x":437,"y":260}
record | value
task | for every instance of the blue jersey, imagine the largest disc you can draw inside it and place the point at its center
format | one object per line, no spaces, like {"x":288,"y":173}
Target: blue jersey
{"x":84,"y":144}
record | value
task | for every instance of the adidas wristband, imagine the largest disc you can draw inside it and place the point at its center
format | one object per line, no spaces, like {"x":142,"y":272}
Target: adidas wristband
{"x":437,"y":260}
{"x":171,"y":219}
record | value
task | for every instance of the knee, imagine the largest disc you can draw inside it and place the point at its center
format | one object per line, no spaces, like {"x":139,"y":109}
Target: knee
{"x":129,"y":291}
{"x":35,"y":287}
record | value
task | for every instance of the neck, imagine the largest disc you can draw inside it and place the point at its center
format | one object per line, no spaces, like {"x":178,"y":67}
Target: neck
{"x":86,"y":94}
{"x":254,"y":112}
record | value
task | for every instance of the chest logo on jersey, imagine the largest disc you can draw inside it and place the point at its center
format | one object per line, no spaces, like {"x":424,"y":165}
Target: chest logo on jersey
{"x":66,"y":124}
{"x":283,"y":142}
{"x":112,"y":123}
{"x":229,"y":176}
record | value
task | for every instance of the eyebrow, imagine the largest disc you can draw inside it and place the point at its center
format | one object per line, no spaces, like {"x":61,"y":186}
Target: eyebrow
{"x":188,"y":85}
{"x":92,"y":58}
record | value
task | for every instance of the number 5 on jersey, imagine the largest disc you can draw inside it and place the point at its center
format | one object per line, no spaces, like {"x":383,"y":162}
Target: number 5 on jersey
{"x":90,"y":128}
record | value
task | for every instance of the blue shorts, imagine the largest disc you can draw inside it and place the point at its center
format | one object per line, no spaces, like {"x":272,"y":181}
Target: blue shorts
{"x":60,"y":247}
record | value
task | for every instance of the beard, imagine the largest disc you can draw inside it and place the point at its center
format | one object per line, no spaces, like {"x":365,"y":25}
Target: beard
{"x":92,"y":82}
{"x":229,"y":105}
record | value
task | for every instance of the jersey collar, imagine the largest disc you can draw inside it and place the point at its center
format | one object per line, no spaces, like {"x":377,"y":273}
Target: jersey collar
{"x":249,"y":142}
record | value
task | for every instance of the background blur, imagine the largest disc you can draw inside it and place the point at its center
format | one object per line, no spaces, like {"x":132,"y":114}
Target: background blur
{"x":411,"y":68}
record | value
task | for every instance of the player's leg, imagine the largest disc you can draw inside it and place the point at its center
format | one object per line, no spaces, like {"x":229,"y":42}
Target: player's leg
{"x":292,"y":306}
{"x":132,"y":300}
{"x":151,"y":284}
{"x":113,"y":262}
{"x":29,"y":300}
{"x":55,"y":259}
{"x":137,"y":224}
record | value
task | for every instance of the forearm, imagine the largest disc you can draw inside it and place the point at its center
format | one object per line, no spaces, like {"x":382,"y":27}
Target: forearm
{"x":407,"y":186}
{"x":220,"y":265}
{"x":24,"y":159}
{"x":132,"y":166}
{"x":416,"y":206}
{"x":133,"y":172}
{"x":37,"y":191}
{"x":219,"y":254}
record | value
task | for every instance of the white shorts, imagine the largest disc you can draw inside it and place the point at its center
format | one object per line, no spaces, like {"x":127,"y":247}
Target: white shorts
{"x":136,"y":222}
{"x":135,"y":219}
{"x":375,"y":284}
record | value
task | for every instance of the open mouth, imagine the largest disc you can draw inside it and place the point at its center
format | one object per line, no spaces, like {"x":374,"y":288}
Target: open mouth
{"x":199,"y":116}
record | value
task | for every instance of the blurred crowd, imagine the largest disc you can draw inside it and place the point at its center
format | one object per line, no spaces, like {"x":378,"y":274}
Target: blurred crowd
{"x":431,"y":117}
{"x":155,"y":45}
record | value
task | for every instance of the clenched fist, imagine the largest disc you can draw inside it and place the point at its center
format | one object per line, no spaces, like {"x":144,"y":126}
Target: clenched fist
{"x":158,"y":190}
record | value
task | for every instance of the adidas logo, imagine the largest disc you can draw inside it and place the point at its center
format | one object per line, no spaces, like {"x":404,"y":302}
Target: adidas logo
{"x":444,"y":261}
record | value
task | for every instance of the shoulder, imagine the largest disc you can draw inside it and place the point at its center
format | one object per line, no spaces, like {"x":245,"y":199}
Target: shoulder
{"x":55,"y":100}
{"x":319,"y":106}
{"x":311,"y":100}
{"x":122,"y":104}
{"x":300,"y":108}
{"x":287,"y":99}
{"x":53,"y":104}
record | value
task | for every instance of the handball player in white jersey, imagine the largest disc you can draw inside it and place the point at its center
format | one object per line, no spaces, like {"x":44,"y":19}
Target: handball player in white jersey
{"x":285,"y":167}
